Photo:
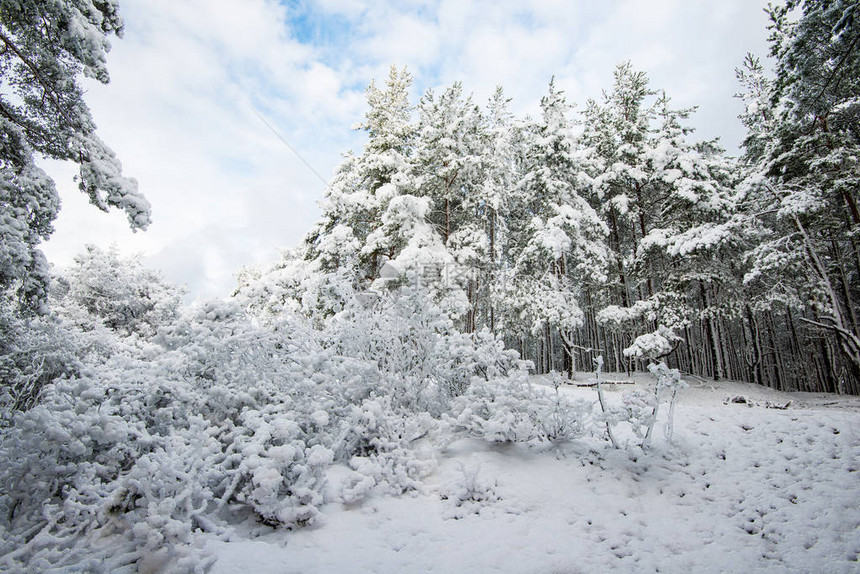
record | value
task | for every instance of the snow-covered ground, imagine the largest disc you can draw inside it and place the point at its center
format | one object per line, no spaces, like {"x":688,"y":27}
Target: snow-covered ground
{"x":744,"y":487}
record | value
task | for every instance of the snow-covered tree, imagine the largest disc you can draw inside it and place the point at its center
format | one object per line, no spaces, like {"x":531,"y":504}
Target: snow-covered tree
{"x":667,"y":204}
{"x":556,"y":237}
{"x":121,"y":293}
{"x":46,"y":46}
{"x":365,"y":184}
{"x":409,"y":206}
{"x":449,"y":170}
{"x":801,"y":189}
{"x":368,"y":216}
{"x":504,"y":136}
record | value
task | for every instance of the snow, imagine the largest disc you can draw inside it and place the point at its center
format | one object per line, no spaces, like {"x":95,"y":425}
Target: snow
{"x":743,"y":488}
{"x":655,"y":344}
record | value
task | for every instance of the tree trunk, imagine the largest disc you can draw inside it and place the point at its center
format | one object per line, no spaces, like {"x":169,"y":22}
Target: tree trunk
{"x":567,"y":341}
{"x":755,"y":339}
{"x":712,"y":335}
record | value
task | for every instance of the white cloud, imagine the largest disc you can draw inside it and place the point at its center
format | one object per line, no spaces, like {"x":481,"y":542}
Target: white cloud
{"x":405,"y":38}
{"x":179,"y":112}
{"x":350,"y":8}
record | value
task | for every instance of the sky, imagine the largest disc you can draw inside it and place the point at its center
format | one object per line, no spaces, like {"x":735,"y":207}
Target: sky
{"x":204,"y":93}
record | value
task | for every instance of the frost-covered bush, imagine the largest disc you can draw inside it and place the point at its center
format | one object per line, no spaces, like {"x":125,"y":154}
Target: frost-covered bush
{"x":80,"y":467}
{"x":469,"y":379}
{"x":34,"y":351}
{"x":510,"y":409}
{"x":378,"y":444}
{"x":219,"y":417}
{"x":668,"y":382}
{"x":566,"y":419}
{"x":287,"y":405}
{"x":414,"y":343}
{"x":214,"y":420}
{"x":469,"y":494}
{"x":121,"y":293}
{"x":639,"y":408}
{"x":101,"y":297}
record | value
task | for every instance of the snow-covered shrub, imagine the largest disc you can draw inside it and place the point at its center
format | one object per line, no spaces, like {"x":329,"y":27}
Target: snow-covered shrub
{"x":510,"y":409}
{"x":500,"y":410}
{"x":393,"y":334}
{"x":219,"y":417}
{"x":100,"y":297}
{"x":637,"y":408}
{"x":295,"y":285}
{"x":123,"y":294}
{"x":289,"y":404}
{"x":668,"y":381}
{"x":380,"y":441}
{"x":566,"y":419}
{"x":415,"y":345}
{"x":34,"y":351}
{"x":215,"y":420}
{"x":469,"y":493}
{"x":74,"y":468}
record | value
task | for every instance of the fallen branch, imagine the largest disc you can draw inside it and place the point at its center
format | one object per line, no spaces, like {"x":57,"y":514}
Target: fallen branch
{"x":594,"y":384}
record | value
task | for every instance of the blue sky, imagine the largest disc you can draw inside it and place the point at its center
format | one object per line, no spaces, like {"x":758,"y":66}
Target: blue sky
{"x":189,"y":77}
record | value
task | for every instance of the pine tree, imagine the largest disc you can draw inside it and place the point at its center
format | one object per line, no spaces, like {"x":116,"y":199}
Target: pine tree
{"x":617,"y":132}
{"x":557,"y":237}
{"x":450,"y":171}
{"x":667,"y":204}
{"x":801,"y":193}
{"x":45,"y":46}
{"x":495,"y":199}
{"x":381,"y":172}
{"x":377,"y":227}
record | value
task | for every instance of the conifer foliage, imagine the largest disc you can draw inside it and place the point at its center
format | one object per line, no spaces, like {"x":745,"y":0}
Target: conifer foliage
{"x":800,"y":193}
{"x":44,"y":47}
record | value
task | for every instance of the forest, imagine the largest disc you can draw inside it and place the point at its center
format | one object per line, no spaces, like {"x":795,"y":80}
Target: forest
{"x":463,"y":253}
{"x":612,"y":231}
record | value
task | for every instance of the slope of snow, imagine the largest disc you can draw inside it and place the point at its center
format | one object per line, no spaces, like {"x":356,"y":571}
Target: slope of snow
{"x":744,"y":487}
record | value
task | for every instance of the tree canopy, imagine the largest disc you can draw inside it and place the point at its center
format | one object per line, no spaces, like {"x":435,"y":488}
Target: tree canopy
{"x":45,"y":47}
